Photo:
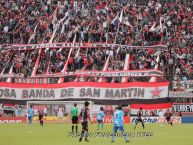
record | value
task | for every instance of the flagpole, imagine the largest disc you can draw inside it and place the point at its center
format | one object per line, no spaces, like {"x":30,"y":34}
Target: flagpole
{"x":117,"y":33}
{"x":120,"y":21}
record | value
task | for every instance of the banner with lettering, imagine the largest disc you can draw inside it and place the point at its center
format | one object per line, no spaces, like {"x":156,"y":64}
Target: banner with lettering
{"x":175,"y":94}
{"x":131,"y":73}
{"x":174,"y":119}
{"x":86,"y":90}
{"x":80,"y":45}
{"x":183,"y":107}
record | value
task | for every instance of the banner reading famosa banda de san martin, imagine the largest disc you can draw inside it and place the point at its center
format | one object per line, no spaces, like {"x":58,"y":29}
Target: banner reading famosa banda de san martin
{"x":89,"y":90}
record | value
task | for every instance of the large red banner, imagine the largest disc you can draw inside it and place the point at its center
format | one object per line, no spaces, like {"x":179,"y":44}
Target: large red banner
{"x":150,"y":109}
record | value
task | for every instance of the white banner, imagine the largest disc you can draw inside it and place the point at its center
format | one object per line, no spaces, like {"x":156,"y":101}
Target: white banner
{"x":183,"y":85}
{"x":78,"y":90}
{"x":80,"y":45}
{"x":142,"y":73}
{"x":174,"y":94}
{"x":131,"y":73}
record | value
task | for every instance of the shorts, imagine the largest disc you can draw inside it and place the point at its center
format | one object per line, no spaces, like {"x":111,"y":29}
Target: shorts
{"x":29,"y":118}
{"x":40,"y":117}
{"x":100,"y":121}
{"x":115,"y":128}
{"x":139,"y":120}
{"x":74,"y":119}
{"x":85,"y":125}
{"x":168,"y":119}
{"x":60,"y":115}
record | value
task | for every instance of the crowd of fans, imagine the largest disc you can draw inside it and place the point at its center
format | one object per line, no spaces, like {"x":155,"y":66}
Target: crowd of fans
{"x":140,"y":23}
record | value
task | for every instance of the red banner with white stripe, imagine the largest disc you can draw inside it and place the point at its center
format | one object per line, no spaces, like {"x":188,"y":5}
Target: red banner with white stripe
{"x":86,"y":90}
{"x":150,"y":109}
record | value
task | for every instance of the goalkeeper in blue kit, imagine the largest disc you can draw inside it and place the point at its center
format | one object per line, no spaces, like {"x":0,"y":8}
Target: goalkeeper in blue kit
{"x":118,"y":121}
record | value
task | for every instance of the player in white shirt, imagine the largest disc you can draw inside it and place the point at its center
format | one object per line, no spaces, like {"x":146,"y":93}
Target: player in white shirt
{"x":60,"y":114}
{"x":161,"y":115}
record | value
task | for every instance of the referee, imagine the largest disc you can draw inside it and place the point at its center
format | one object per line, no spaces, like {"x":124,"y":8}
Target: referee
{"x":74,"y":115}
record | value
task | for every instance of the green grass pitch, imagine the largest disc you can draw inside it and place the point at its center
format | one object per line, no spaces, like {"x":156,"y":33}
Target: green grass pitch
{"x":56,"y":134}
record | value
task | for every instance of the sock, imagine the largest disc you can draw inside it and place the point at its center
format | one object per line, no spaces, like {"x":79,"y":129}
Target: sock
{"x":98,"y":126}
{"x":82,"y":134}
{"x":135,"y":125}
{"x":143,"y":125}
{"x":124,"y":136}
{"x":72,"y":128}
{"x":113,"y":136}
{"x":86,"y":134}
{"x":76,"y":128}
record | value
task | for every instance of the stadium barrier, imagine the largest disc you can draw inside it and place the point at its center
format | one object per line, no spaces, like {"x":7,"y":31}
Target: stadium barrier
{"x":54,"y":119}
{"x":12,"y":120}
{"x":107,"y":119}
{"x":66,"y":119}
{"x":156,"y":119}
{"x":187,"y":119}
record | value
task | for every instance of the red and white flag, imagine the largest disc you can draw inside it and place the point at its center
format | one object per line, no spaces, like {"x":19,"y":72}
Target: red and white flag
{"x":148,"y":109}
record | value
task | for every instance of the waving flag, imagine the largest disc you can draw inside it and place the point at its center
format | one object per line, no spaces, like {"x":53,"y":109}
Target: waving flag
{"x":118,"y":19}
{"x":161,"y":26}
{"x":115,"y":19}
{"x":153,"y":27}
{"x":121,"y":17}
{"x":127,"y":23}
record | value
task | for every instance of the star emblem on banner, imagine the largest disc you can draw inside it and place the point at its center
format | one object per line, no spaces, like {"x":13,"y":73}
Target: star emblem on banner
{"x":156,"y":92}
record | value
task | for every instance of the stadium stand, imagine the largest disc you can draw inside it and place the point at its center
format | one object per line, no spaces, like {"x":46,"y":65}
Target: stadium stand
{"x":139,"y":23}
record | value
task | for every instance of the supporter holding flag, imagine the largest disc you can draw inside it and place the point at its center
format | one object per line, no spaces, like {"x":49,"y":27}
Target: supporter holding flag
{"x":118,"y":19}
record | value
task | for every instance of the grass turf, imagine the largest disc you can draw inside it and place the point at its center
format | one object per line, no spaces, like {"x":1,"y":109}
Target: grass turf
{"x":56,"y":134}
